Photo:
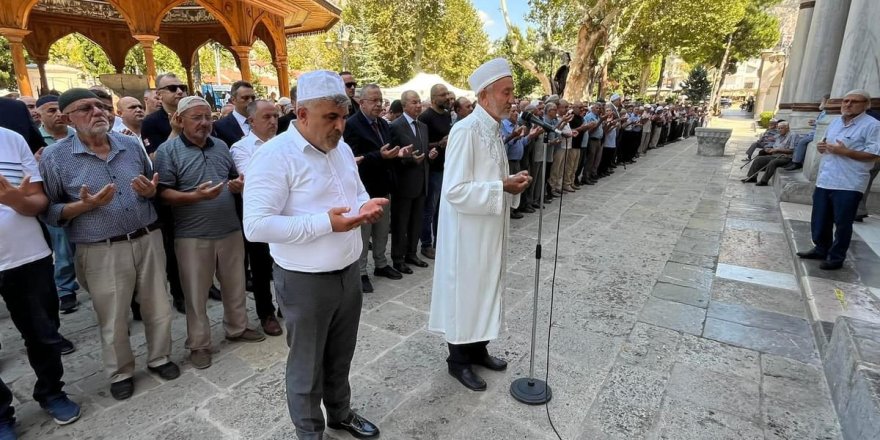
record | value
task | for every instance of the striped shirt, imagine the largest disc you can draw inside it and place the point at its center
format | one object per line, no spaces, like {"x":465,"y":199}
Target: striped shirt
{"x":68,"y":164}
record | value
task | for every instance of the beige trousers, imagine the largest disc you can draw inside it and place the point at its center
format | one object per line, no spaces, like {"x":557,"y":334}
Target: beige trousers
{"x":571,"y":164}
{"x":111,"y":273}
{"x":556,"y":171}
{"x":564,"y":178}
{"x":198,"y":260}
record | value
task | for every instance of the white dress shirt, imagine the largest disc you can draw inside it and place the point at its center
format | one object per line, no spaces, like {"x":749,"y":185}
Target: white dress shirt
{"x":290,"y":188}
{"x":242,"y":122}
{"x":410,"y":121}
{"x":243,"y":150}
{"x":840,"y":172}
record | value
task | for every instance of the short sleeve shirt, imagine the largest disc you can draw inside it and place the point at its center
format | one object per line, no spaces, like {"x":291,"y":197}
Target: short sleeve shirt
{"x":21,"y":238}
{"x":840,"y":172}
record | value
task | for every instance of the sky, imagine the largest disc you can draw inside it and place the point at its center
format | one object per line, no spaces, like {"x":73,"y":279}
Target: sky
{"x":493,"y":22}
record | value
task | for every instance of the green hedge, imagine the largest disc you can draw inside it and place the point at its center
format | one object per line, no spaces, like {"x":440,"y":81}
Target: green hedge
{"x":764,"y":122}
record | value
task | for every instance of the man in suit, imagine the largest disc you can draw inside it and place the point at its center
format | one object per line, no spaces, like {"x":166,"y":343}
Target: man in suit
{"x":368,"y":136}
{"x":234,"y":126}
{"x":410,"y":184}
{"x":285,"y":120}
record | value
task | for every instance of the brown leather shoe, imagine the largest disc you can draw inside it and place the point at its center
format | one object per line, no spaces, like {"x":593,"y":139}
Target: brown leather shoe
{"x":247,"y":335}
{"x":271,"y":326}
{"x":428,"y":252}
{"x":200,"y":359}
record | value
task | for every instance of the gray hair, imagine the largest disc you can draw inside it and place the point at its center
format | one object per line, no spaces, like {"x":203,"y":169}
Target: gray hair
{"x":780,"y":124}
{"x":369,"y":87}
{"x":861,"y":92}
{"x":163,"y":76}
{"x":338,"y":99}
{"x":409,"y":94}
{"x":254,"y":105}
{"x":531,"y":108}
{"x":549,"y":106}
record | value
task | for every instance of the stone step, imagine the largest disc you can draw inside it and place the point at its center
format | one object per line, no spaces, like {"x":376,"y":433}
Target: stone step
{"x":852,"y":368}
{"x":794,"y":187}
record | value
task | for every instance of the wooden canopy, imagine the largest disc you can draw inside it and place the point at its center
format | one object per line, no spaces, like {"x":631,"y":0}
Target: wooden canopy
{"x":182,"y":25}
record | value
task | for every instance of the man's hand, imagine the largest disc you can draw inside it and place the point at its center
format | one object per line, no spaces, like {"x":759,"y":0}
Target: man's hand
{"x":442,"y":142}
{"x":11,"y":195}
{"x":145,"y":187}
{"x":516,"y":183}
{"x":175,"y":127}
{"x":372,"y":211}
{"x":358,"y":159}
{"x":822,"y":146}
{"x":405,"y":152}
{"x":340,"y":223}
{"x":207,"y":192}
{"x":389,"y":153}
{"x":433,"y":154}
{"x":838,"y":148}
{"x":418,"y":157}
{"x":101,"y":198}
{"x":236,"y":186}
{"x":535,"y":132}
{"x":39,"y":154}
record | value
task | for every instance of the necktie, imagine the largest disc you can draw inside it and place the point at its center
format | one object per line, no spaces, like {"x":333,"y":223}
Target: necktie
{"x":415,"y":129}
{"x":376,"y":130}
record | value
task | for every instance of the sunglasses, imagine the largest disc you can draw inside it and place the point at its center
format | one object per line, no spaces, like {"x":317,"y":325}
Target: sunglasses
{"x":351,"y":85}
{"x":173,"y":88}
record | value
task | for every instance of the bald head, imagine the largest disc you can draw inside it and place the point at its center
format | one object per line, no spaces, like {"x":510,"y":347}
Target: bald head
{"x":132,"y":113}
{"x":439,"y":97}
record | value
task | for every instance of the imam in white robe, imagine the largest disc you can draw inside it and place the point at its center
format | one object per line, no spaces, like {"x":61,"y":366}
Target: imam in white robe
{"x":472,"y":233}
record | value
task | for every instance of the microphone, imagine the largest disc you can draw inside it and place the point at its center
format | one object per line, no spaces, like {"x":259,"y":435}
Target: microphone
{"x":528,"y":116}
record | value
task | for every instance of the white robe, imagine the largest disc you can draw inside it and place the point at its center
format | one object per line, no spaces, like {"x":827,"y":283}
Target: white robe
{"x":472,"y":233}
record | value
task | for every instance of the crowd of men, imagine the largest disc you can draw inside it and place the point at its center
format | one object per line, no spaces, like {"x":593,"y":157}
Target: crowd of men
{"x":122,"y":198}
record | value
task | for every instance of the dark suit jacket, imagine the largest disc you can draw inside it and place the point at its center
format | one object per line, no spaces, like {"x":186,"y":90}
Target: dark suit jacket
{"x":285,"y":121}
{"x":155,"y":130}
{"x":375,"y":172}
{"x":228,"y":130}
{"x":410,"y":178}
{"x":15,"y":116}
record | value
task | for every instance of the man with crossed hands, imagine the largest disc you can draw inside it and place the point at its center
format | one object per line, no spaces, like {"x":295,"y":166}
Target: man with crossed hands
{"x":303,"y":187}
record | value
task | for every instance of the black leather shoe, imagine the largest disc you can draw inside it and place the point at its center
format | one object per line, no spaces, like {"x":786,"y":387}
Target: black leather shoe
{"x":861,"y":218}
{"x":469,"y":379}
{"x":214,"y":293}
{"x":402,"y":268}
{"x":761,"y":184}
{"x":366,"y":285}
{"x":527,"y":209}
{"x":811,"y":254}
{"x":515,"y":215}
{"x":167,"y":371}
{"x":66,"y":347}
{"x":356,"y":426}
{"x":493,"y":363}
{"x":831,"y":265}
{"x":68,"y":303}
{"x":415,"y":261}
{"x":388,"y":272}
{"x":123,"y":389}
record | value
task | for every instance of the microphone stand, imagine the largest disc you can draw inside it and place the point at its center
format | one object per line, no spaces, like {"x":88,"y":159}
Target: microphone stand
{"x":530,"y":390}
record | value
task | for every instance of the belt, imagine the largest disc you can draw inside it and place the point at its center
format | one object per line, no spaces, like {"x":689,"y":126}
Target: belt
{"x":137,"y":233}
{"x":332,"y":272}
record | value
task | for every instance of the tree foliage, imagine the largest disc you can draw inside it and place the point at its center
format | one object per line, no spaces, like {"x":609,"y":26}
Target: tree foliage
{"x":697,"y":86}
{"x":7,"y":77}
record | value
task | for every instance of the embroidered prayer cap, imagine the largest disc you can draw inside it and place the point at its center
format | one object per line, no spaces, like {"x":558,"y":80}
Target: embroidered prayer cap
{"x":189,"y":102}
{"x":318,"y":84}
{"x":488,"y":73}
{"x":860,"y":92}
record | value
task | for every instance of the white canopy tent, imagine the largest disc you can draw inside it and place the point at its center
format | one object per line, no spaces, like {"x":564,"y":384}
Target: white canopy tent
{"x":421,"y":84}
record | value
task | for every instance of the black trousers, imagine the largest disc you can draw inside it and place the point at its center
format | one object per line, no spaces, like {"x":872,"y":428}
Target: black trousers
{"x":607,"y":159}
{"x":406,"y":226}
{"x":321,"y":314}
{"x":462,"y":356}
{"x":30,"y":296}
{"x":630,"y":145}
{"x":261,"y":277}
{"x":171,"y":270}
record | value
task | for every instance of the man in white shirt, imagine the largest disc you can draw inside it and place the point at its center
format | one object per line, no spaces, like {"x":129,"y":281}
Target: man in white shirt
{"x":26,"y":282}
{"x":263,"y":120}
{"x":304,"y":197}
{"x":849,"y":150}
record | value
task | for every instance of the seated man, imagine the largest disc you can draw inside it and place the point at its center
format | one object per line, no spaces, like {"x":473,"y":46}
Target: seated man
{"x":766,"y":139}
{"x":774,"y":157}
{"x":800,"y":149}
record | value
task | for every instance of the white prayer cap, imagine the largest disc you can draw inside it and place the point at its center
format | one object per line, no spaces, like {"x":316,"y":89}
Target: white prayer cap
{"x":318,"y":84}
{"x":615,"y":97}
{"x":189,"y":102}
{"x":860,"y":92}
{"x":284,"y":101}
{"x":488,"y":73}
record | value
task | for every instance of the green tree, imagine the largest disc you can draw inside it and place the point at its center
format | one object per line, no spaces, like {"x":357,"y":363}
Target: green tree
{"x":697,"y":86}
{"x":79,"y":52}
{"x":7,"y":78}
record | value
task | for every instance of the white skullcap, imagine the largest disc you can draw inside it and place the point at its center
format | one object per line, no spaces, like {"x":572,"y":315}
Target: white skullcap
{"x":615,"y":97}
{"x":318,"y":84}
{"x":189,"y":102}
{"x":488,"y":73}
{"x":860,"y":92}
{"x":284,"y":101}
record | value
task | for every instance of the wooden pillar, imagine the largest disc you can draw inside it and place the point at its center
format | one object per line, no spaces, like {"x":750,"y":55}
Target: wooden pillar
{"x":19,"y":65}
{"x":147,"y":42}
{"x":283,"y":76}
{"x":189,"y":80}
{"x":242,"y":54}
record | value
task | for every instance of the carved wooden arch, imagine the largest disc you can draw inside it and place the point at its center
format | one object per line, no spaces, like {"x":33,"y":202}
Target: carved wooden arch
{"x":209,"y":6}
{"x":113,"y":39}
{"x":14,"y":13}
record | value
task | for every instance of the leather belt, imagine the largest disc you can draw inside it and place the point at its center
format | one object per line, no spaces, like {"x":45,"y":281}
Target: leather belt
{"x":137,"y":233}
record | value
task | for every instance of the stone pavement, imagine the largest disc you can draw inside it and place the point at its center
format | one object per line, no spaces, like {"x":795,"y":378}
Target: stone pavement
{"x":676,"y":315}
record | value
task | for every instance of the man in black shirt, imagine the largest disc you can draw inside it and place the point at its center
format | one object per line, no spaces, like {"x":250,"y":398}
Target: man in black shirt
{"x":350,"y":88}
{"x":439,"y":122}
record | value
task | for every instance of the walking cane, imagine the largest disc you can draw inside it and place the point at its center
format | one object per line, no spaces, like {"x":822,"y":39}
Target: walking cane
{"x":755,"y":174}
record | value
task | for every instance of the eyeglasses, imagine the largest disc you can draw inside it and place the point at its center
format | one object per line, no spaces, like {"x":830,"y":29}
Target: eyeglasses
{"x":173,"y":88}
{"x":351,"y":85}
{"x":854,"y":101}
{"x":91,"y":107}
{"x":200,"y":118}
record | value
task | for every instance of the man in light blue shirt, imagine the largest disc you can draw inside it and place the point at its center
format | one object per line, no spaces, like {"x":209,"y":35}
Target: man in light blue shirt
{"x":849,"y":150}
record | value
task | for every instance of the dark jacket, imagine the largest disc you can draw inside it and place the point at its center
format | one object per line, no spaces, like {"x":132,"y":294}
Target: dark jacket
{"x":375,"y":171}
{"x":14,"y":115}
{"x":410,"y":178}
{"x":227,"y":130}
{"x":285,"y":121}
{"x":155,"y":130}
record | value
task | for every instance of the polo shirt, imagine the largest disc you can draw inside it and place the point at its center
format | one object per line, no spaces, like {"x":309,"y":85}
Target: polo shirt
{"x":183,"y":166}
{"x":49,"y":139}
{"x":862,"y":133}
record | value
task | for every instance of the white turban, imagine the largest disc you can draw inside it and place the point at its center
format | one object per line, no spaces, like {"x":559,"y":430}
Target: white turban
{"x":318,"y":84}
{"x":488,"y":73}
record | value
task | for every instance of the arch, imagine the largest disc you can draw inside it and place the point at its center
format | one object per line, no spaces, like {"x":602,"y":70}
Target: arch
{"x":227,"y":56}
{"x":96,"y":49}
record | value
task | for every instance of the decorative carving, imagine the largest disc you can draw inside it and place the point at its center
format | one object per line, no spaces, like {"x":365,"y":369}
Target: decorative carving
{"x":84,"y":8}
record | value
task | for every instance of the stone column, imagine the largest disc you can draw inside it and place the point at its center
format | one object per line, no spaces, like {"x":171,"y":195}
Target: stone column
{"x":147,"y":42}
{"x":19,"y":65}
{"x":283,"y":76}
{"x":795,"y":58}
{"x":859,"y":64}
{"x":243,"y":54}
{"x":820,"y":60}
